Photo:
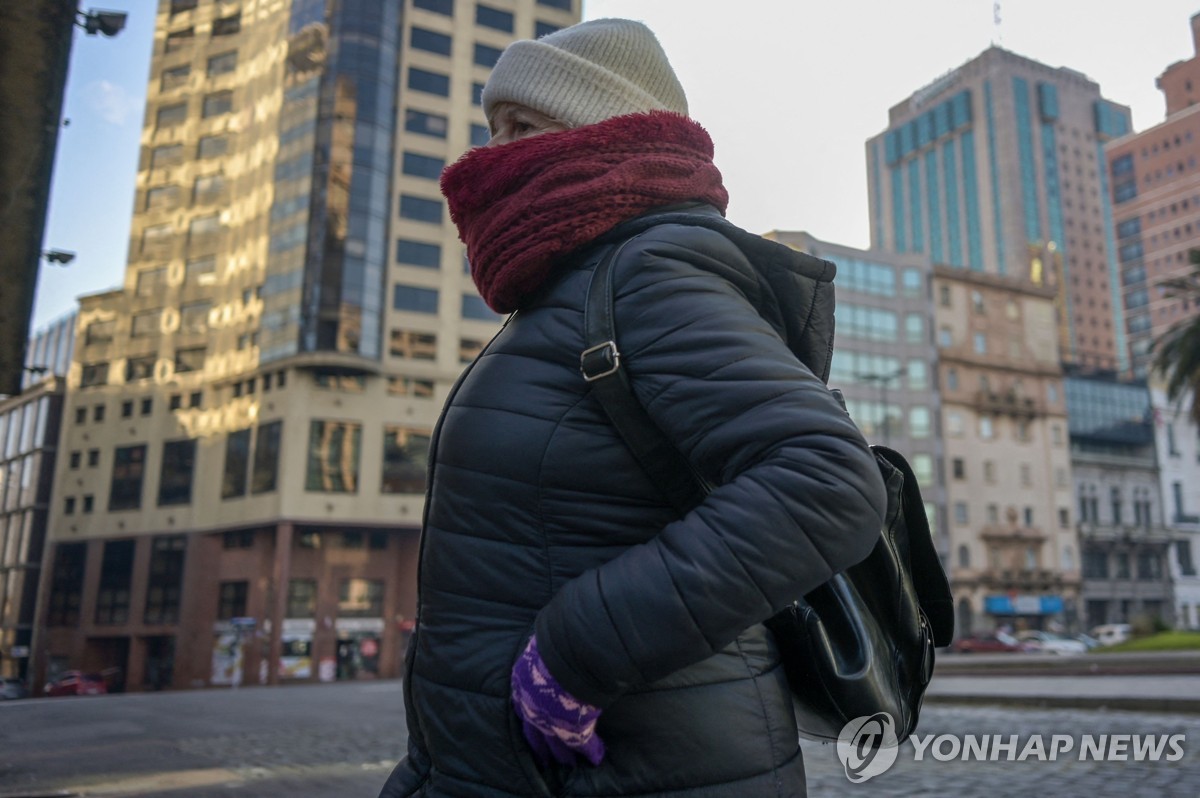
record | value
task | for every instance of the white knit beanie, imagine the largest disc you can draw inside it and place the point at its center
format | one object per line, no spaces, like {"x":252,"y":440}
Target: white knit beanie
{"x":587,"y":73}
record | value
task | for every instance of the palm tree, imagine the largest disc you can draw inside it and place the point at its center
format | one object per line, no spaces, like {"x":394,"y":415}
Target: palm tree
{"x":1177,"y":351}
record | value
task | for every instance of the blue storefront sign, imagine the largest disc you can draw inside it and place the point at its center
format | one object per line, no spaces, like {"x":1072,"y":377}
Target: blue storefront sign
{"x":1023,"y":605}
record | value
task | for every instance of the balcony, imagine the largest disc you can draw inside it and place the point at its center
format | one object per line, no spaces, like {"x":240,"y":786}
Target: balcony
{"x":1127,"y":533}
{"x":1008,"y":404}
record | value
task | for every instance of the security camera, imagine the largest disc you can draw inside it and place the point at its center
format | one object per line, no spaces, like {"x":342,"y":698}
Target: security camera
{"x":59,"y":256}
{"x":110,"y":23}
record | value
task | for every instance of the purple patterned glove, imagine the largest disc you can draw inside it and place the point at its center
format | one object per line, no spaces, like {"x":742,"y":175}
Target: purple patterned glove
{"x":555,"y":723}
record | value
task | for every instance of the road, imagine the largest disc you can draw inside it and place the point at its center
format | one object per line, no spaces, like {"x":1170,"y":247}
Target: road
{"x":341,"y":740}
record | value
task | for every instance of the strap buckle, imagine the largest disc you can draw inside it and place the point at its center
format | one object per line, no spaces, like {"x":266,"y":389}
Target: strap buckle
{"x":604,"y":356}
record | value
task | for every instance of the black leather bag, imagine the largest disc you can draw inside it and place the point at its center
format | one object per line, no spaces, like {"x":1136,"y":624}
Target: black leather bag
{"x":860,"y":644}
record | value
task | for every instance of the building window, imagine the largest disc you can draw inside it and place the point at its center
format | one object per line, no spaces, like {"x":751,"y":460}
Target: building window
{"x":477,"y":94}
{"x":960,"y":513}
{"x":945,"y":337}
{"x":166,"y":155}
{"x":89,"y":503}
{"x":1064,"y":518}
{"x":480,"y":135}
{"x":140,"y":368}
{"x":189,"y":360}
{"x":193,"y":318}
{"x":993,"y":514}
{"x":175,"y":77}
{"x":231,"y":601}
{"x":212,"y":146}
{"x":162,"y":197}
{"x":919,"y":422}
{"x":178,"y":465}
{"x":267,"y":440}
{"x":169,"y":115}
{"x":360,"y":598}
{"x":1026,"y":475}
{"x":420,"y":209}
{"x":116,"y":573}
{"x":156,"y":239}
{"x":98,"y":413}
{"x":944,"y":295}
{"x":227,"y":26}
{"x":565,"y":5}
{"x":179,"y":39}
{"x":541,"y":29}
{"x":422,"y":166}
{"x":418,"y":253}
{"x":405,"y":460}
{"x":914,"y":328}
{"x":1149,"y":566}
{"x":146,"y":323}
{"x":986,"y":429}
{"x":426,"y":124}
{"x":66,"y":584}
{"x":93,"y":458}
{"x":952,"y":379}
{"x":179,"y":6}
{"x":333,"y":456}
{"x":237,"y":464}
{"x":151,"y":281}
{"x":445,"y":7}
{"x":76,"y":459}
{"x":127,"y":408}
{"x":473,"y":307}
{"x":200,"y":271}
{"x":80,"y":415}
{"x":486,"y":56}
{"x":129,"y":464}
{"x":414,"y":300}
{"x":69,"y":506}
{"x":407,"y":386}
{"x":429,"y":82}
{"x":208,"y":189}
{"x":959,"y":468}
{"x":217,"y":104}
{"x":413,"y":345}
{"x":302,"y":598}
{"x":1095,"y":563}
{"x":964,"y":556}
{"x":954,"y":424}
{"x":222,"y":64}
{"x":1183,"y":553}
{"x":1115,"y":500}
{"x":979,"y":341}
{"x":93,"y":374}
{"x":165,"y":585}
{"x":429,"y":41}
{"x":489,"y":17}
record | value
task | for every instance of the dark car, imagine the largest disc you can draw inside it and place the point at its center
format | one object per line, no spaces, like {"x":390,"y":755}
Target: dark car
{"x":12,"y":688}
{"x":77,"y":683}
{"x":995,"y":643}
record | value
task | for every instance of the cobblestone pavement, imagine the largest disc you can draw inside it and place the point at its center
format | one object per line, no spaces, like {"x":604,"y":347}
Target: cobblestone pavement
{"x":341,"y":740}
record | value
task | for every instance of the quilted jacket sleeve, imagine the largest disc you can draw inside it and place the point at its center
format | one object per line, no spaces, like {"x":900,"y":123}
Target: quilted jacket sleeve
{"x":799,"y":495}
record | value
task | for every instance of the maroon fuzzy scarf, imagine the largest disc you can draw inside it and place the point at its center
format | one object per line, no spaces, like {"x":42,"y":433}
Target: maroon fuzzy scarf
{"x":521,"y":206}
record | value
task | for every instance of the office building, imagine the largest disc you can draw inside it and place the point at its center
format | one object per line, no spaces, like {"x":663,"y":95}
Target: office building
{"x":1154,"y":179}
{"x":29,"y":427}
{"x":884,"y":359}
{"x":252,"y":409}
{"x":1123,"y":534}
{"x":997,"y":167}
{"x":1177,"y":441}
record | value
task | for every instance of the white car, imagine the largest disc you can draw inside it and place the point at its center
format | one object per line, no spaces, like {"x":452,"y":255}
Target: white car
{"x":1052,"y":643}
{"x":1110,"y":634}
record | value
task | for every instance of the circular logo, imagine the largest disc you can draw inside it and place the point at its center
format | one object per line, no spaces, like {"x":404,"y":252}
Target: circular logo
{"x":867,"y":746}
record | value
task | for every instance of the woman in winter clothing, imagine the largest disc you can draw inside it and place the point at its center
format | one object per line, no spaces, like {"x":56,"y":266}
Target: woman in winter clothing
{"x":575,"y":635}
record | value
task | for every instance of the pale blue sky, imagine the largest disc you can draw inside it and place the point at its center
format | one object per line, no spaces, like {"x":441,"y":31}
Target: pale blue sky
{"x":789,"y":89}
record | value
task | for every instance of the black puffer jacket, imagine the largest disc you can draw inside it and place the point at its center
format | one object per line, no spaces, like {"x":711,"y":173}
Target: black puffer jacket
{"x":538,"y":519}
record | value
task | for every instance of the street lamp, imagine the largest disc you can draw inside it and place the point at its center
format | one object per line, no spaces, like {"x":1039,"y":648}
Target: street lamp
{"x":883,"y":380}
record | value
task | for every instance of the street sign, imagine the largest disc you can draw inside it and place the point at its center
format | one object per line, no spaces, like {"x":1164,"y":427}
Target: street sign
{"x":17,"y":652}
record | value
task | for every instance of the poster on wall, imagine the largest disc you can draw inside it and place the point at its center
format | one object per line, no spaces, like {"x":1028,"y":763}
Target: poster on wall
{"x":295,"y":661}
{"x":227,"y":659}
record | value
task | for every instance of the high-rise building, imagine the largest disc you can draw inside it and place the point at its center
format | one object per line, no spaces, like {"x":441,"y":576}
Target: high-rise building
{"x":252,"y":409}
{"x":1155,"y":186}
{"x":994,"y":173}
{"x":997,"y":167}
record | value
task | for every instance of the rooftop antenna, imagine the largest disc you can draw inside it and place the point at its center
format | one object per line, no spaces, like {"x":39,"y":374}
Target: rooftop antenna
{"x":998,"y":39}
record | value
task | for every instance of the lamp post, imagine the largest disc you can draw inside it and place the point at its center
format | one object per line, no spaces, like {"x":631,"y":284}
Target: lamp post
{"x":883,"y":380}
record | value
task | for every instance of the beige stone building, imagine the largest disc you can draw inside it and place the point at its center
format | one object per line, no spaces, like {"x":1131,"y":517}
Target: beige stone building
{"x":242,"y":461}
{"x":1014,"y":557}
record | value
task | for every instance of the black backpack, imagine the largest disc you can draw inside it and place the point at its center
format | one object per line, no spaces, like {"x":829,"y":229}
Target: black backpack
{"x":863,"y":642}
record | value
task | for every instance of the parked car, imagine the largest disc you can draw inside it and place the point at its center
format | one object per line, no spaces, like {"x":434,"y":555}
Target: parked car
{"x":76,"y":683}
{"x":1110,"y":634}
{"x":1087,"y":640}
{"x":996,"y":642}
{"x":1052,"y":643}
{"x":13,"y":688}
